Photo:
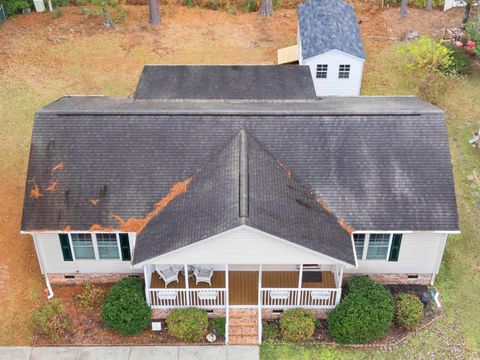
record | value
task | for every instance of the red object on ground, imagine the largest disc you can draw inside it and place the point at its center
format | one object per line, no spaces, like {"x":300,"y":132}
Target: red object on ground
{"x":458,"y":44}
{"x":471,"y":43}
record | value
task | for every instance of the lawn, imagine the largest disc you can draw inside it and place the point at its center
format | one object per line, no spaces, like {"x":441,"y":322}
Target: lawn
{"x":44,"y":58}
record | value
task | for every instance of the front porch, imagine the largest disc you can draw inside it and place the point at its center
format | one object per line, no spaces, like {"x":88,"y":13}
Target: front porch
{"x":308,"y":287}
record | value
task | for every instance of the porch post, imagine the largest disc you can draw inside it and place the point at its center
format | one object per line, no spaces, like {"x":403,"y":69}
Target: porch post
{"x":300,"y":280}
{"x":148,"y":278}
{"x":340,"y":277}
{"x":187,"y":292}
{"x":227,"y":305}
{"x":260,"y":300}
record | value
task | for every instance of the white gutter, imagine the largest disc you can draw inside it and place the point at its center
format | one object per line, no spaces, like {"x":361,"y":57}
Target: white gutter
{"x":42,"y":264}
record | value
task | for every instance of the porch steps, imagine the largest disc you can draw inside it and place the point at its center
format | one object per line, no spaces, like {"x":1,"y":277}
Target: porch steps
{"x":243,"y":326}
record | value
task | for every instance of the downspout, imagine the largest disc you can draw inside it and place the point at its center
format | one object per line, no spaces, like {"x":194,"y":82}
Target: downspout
{"x":42,"y":265}
{"x":438,"y":262}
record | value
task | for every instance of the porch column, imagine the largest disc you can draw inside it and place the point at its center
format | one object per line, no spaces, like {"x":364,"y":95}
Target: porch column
{"x":260,"y":300}
{"x":148,"y":278}
{"x":300,"y":280}
{"x":340,"y":277}
{"x":187,"y":292}
{"x":227,"y":304}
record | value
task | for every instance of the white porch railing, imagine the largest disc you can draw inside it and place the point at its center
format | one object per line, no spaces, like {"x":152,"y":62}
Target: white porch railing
{"x":313,"y":298}
{"x":177,"y":298}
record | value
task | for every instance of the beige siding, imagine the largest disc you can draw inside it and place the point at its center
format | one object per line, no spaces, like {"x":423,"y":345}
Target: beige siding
{"x":418,"y":254}
{"x":49,"y":248}
{"x":332,"y":85}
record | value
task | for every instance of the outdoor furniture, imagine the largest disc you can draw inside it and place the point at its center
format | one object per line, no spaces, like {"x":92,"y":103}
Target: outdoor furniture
{"x":168,"y":273}
{"x":203,"y":274}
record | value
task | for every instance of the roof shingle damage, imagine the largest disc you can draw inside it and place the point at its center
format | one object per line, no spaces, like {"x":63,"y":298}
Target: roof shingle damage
{"x":326,"y":25}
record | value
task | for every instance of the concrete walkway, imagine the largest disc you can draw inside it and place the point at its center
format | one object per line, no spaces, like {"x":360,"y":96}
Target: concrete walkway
{"x":131,"y":353}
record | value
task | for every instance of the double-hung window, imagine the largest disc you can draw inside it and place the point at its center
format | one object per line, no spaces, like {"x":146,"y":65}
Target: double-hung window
{"x":107,"y":246}
{"x":377,"y":246}
{"x":83,"y":246}
{"x":322,"y":70}
{"x":344,"y":72}
{"x":95,"y":246}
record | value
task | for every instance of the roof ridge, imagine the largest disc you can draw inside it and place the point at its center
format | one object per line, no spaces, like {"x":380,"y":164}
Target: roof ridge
{"x":243,"y":176}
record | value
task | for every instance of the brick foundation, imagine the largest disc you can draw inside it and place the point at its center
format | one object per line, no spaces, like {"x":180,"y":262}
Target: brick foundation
{"x":396,"y":278}
{"x":268,"y":314}
{"x":162,"y":313}
{"x":80,"y":279}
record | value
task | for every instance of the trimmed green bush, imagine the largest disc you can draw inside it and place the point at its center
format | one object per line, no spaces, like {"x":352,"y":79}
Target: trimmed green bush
{"x":189,"y":325}
{"x":297,"y":325}
{"x":218,"y":324}
{"x":408,"y":310}
{"x":51,"y":319}
{"x":125,"y":309}
{"x":364,"y":315}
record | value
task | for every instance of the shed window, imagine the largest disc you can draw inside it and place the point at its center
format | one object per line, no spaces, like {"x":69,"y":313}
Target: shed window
{"x":83,"y":246}
{"x":107,"y":246}
{"x":378,"y":246}
{"x":344,"y":72}
{"x":322,"y":70}
{"x":359,"y":240}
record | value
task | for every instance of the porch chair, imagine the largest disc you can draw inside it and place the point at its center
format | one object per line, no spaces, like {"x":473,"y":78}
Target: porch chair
{"x":168,"y":273}
{"x":203,"y":274}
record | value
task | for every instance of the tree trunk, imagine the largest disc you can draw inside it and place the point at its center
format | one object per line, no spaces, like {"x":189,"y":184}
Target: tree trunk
{"x":403,"y":9}
{"x":267,"y":8}
{"x":466,"y":14}
{"x":429,"y":5}
{"x":154,"y":12}
{"x":107,"y":19}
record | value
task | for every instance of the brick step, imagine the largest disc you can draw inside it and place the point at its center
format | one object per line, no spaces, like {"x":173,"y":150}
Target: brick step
{"x":244,"y":325}
{"x":243,"y":340}
{"x":236,"y":315}
{"x":243,"y":332}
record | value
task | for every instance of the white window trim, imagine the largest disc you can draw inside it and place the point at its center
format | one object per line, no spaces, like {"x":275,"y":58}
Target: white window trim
{"x":367,"y":243}
{"x":95,"y":247}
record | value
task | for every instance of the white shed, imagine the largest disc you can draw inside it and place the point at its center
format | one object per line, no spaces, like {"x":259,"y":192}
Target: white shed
{"x":329,"y":42}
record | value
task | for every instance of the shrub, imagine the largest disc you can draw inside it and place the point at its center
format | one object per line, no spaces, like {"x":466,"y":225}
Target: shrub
{"x":218,"y":325}
{"x":297,"y":325}
{"x":364,"y":315}
{"x":51,"y":319}
{"x":461,"y":62}
{"x":125,"y":309}
{"x":251,"y":5}
{"x":60,"y":3}
{"x":212,"y":4}
{"x":189,"y":325}
{"x":408,"y":310}
{"x":270,"y":331}
{"x":91,"y":297}
{"x":13,"y":7}
{"x":189,"y":3}
{"x":472,"y":32}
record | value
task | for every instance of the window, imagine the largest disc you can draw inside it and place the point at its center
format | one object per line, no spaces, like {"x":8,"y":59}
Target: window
{"x":83,"y":246}
{"x":107,"y":246}
{"x":344,"y":72}
{"x":322,"y":71}
{"x":359,"y":240}
{"x":378,"y":246}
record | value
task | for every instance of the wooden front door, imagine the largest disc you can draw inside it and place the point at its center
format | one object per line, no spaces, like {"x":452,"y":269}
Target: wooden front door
{"x":243,"y":287}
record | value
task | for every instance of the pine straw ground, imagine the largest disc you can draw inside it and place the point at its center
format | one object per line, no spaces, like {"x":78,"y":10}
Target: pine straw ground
{"x":42,"y":58}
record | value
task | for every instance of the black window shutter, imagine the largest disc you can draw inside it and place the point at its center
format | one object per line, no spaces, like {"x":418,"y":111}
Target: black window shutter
{"x":66,"y":250}
{"x":395,"y":248}
{"x":125,"y":246}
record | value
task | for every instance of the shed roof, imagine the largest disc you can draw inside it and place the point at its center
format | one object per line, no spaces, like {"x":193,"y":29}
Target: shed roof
{"x":225,"y":82}
{"x":326,"y":25}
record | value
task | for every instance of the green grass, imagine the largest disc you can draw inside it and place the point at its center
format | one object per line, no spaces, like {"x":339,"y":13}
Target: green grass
{"x":457,"y":334}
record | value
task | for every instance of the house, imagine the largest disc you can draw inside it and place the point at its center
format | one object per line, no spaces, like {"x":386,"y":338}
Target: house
{"x":242,"y":206}
{"x":329,"y":42}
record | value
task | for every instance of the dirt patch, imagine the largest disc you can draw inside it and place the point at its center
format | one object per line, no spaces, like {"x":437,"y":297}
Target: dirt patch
{"x":87,"y":327}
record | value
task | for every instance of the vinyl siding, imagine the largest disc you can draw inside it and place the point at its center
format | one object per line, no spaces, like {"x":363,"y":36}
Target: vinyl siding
{"x":332,"y":85}
{"x":418,"y":254}
{"x":49,"y":247}
{"x":242,"y":245}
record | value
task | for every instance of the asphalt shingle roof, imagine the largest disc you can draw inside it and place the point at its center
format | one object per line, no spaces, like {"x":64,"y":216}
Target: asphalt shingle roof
{"x":275,"y":202}
{"x":225,"y":82}
{"x":326,"y":25}
{"x":378,"y":163}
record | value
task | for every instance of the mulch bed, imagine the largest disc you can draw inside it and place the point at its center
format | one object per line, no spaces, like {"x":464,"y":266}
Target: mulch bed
{"x":394,"y":337}
{"x":87,"y":327}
